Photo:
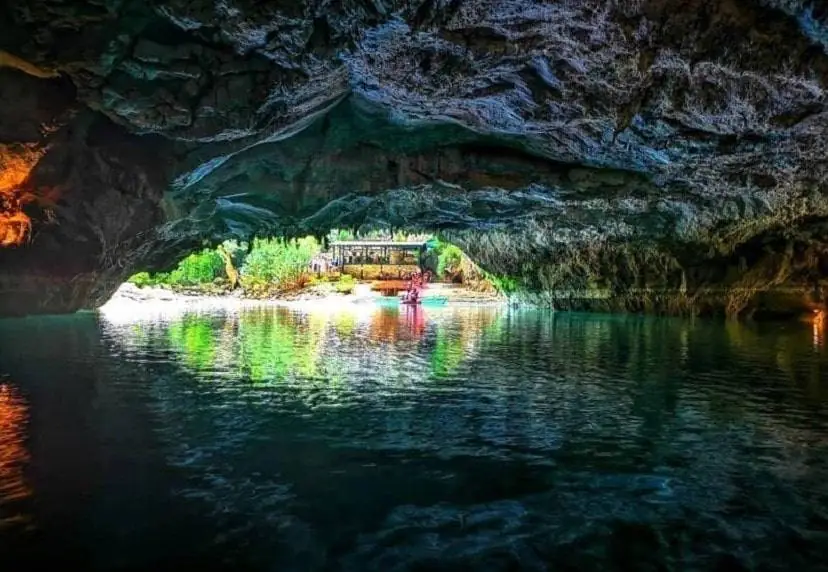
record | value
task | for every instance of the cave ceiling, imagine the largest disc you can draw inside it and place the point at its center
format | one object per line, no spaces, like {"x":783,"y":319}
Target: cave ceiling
{"x":132,"y":130}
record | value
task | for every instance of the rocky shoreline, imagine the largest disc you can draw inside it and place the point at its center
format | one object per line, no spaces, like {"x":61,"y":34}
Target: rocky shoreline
{"x":130,"y":295}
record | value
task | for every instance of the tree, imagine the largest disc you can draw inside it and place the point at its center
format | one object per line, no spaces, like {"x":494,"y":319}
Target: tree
{"x":226,"y":251}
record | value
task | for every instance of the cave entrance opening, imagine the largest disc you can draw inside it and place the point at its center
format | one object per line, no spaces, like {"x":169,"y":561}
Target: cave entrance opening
{"x":343,"y":262}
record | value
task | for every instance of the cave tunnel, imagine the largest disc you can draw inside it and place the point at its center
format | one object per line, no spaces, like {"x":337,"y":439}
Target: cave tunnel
{"x":633,"y":163}
{"x":629,"y":171}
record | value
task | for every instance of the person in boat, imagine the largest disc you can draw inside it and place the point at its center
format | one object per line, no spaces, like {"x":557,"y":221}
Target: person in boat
{"x":412,"y":295}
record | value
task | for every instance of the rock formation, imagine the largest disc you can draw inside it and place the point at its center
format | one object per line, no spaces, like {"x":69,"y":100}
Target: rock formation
{"x":659,"y":155}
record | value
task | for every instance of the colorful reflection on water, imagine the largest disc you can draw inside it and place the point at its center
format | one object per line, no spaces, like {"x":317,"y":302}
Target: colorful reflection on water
{"x":271,"y":343}
{"x":371,"y":438}
{"x":818,"y":329}
{"x":14,"y":417}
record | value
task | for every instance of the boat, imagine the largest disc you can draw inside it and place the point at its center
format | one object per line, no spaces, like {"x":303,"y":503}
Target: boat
{"x":426,"y":301}
{"x":399,"y":301}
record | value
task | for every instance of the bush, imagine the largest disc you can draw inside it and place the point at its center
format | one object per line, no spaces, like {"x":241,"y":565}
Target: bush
{"x":161,"y":279}
{"x":276,"y":260}
{"x":318,"y":280}
{"x":503,"y":284}
{"x":449,"y":260}
{"x":272,"y":265}
{"x":255,"y":287}
{"x":198,"y":268}
{"x":346,"y":284}
{"x":141,"y":279}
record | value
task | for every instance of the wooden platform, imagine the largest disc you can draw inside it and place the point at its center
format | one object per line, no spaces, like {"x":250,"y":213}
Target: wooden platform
{"x":379,"y":271}
{"x":389,"y":287}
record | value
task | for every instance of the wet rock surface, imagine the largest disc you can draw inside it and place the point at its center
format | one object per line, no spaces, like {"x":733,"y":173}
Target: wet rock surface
{"x":651,"y":154}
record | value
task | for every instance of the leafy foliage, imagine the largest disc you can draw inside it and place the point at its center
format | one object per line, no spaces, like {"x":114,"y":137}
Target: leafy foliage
{"x":198,"y":268}
{"x":270,"y":262}
{"x":142,"y":279}
{"x":272,"y":266}
{"x":503,"y":284}
{"x":276,"y":260}
{"x":373,"y":234}
{"x":346,"y":284}
{"x":449,"y":259}
{"x":340,"y":234}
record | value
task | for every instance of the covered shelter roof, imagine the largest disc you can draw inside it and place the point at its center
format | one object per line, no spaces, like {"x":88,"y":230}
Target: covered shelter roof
{"x":380,"y":243}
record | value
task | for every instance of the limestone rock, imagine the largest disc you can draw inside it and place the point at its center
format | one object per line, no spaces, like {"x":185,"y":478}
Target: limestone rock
{"x":679,"y":134}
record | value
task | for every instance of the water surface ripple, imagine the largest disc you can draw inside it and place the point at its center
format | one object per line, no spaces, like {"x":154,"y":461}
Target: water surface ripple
{"x":377,"y":439}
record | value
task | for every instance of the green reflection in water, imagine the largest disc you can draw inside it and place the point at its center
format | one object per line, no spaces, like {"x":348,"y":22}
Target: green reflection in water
{"x":271,"y":344}
{"x":269,"y":347}
{"x":194,"y":339}
{"x":447,"y":355}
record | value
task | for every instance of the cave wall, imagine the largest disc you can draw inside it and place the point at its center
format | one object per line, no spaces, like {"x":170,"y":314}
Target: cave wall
{"x":657,"y":155}
{"x":781,"y":272}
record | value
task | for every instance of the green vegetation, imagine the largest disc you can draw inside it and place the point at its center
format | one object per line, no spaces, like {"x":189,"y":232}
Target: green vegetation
{"x":450,"y":263}
{"x":277,"y":261}
{"x":341,"y":234}
{"x":377,"y":234}
{"x":142,"y":279}
{"x":269,"y":267}
{"x":197,"y":268}
{"x":275,"y":265}
{"x":442,"y":258}
{"x":346,"y":284}
{"x":269,"y":264}
{"x":449,"y":260}
{"x":503,"y":284}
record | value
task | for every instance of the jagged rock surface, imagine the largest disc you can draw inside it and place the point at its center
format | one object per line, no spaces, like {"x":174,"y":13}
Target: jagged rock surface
{"x":658,"y":155}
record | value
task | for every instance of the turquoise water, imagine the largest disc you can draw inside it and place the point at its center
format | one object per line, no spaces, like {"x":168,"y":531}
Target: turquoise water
{"x":411,"y":439}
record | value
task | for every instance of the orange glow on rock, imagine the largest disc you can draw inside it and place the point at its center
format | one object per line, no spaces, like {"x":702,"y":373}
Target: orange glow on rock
{"x":15,"y":165}
{"x":14,"y":228}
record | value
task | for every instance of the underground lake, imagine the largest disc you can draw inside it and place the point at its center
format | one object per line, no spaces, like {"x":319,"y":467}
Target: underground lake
{"x":374,"y":438}
{"x":414,"y":285}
